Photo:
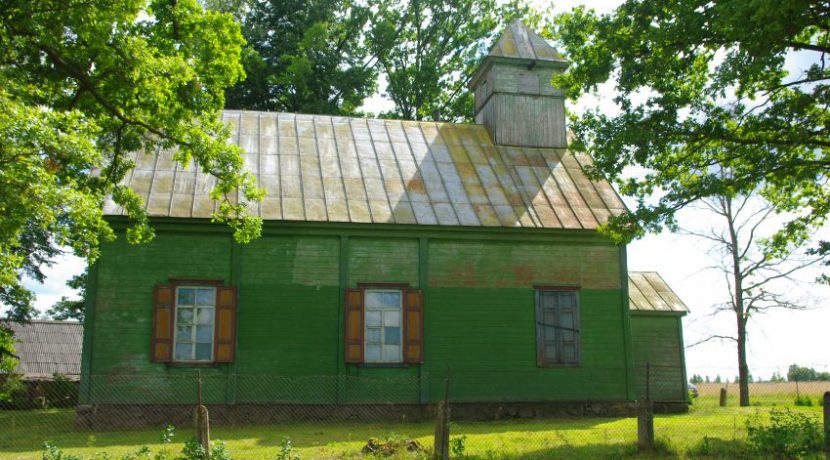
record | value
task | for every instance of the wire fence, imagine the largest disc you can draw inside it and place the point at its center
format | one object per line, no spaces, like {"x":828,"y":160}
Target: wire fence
{"x":392,"y":416}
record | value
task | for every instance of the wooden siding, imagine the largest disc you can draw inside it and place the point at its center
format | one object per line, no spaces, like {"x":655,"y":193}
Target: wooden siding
{"x":479,"y":315}
{"x":525,"y":120}
{"x":656,"y":340}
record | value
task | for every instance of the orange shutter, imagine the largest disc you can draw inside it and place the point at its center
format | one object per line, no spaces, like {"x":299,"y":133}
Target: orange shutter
{"x":225,"y":332}
{"x":354,"y":326}
{"x":162,"y":341}
{"x":413,"y":322}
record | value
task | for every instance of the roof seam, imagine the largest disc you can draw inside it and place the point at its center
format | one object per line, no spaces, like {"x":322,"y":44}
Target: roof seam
{"x":380,"y":170}
{"x":320,"y":167}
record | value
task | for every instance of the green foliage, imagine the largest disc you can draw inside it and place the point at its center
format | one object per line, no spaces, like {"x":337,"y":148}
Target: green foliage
{"x":788,"y":434}
{"x":85,"y":84}
{"x":71,"y":309}
{"x":797,"y":373}
{"x":803,"y":400}
{"x":286,"y":451}
{"x":427,"y":49}
{"x":777,"y":377}
{"x":701,"y":88}
{"x":696,"y":379}
{"x":458,"y":445}
{"x":305,"y":56}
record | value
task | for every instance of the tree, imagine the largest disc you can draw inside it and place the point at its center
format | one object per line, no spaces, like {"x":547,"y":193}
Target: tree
{"x":701,"y":86}
{"x":304,"y":56}
{"x":83,"y":85}
{"x":71,"y":309}
{"x":696,"y":379}
{"x":428,"y":48}
{"x":777,"y":377}
{"x":752,"y":269}
{"x":797,"y":373}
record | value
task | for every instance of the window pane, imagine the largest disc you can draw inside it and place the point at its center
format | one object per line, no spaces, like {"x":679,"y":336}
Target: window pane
{"x":383,"y":299}
{"x":392,"y":335}
{"x":204,"y":334}
{"x":568,"y":352}
{"x":203,"y":350}
{"x":184,"y":351}
{"x":391,"y":353}
{"x":373,"y":335}
{"x":550,"y":352}
{"x":183,"y":333}
{"x":206,"y":297}
{"x":187,"y":296}
{"x":204,"y":316}
{"x":392,"y":318}
{"x":373,"y":318}
{"x":184,"y":316}
{"x":372,"y":353}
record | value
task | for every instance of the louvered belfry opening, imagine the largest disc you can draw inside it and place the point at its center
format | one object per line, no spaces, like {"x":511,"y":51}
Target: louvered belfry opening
{"x":514,"y":98}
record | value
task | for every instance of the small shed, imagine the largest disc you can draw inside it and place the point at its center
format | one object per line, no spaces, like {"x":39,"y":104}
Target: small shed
{"x":46,"y":348}
{"x":657,"y":338}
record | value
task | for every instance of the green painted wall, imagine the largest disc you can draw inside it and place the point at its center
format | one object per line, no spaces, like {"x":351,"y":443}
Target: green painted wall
{"x":657,"y":341}
{"x":479,"y":314}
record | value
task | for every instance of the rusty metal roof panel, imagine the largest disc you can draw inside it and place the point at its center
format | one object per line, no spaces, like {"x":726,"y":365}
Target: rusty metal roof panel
{"x":339,"y":169}
{"x":648,"y":291}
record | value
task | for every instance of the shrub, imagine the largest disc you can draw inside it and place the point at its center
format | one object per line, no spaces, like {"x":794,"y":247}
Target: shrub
{"x":803,"y":401}
{"x":457,"y":446}
{"x":788,"y":434}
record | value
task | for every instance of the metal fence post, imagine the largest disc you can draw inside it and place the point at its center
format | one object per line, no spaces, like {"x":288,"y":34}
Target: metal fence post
{"x":645,"y":417}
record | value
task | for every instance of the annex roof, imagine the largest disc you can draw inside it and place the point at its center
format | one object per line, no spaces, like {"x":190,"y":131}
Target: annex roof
{"x":338,"y":169}
{"x":648,"y":291}
{"x":520,"y":42}
{"x":48,"y":347}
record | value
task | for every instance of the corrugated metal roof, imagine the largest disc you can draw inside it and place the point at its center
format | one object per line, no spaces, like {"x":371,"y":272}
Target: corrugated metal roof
{"x":338,"y":169}
{"x":48,"y":347}
{"x":648,"y":291}
{"x":518,"y":41}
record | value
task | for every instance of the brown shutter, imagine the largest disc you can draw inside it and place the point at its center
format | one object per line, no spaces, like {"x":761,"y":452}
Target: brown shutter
{"x":413,"y":322}
{"x":353,"y":322}
{"x":161,"y":350}
{"x":225,"y":333}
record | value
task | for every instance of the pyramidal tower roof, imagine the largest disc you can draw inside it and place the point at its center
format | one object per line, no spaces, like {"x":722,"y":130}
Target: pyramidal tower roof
{"x":519,"y":42}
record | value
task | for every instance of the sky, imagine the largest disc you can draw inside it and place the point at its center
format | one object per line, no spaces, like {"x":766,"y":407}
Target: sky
{"x":777,"y":339}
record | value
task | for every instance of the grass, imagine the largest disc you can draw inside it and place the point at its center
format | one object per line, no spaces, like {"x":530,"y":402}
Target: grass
{"x":22,"y":434}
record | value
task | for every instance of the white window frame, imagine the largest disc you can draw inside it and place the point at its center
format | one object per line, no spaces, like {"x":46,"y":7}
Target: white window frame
{"x":366,"y":327}
{"x":195,"y":308}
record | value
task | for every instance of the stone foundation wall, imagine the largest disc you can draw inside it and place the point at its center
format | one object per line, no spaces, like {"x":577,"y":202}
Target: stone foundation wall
{"x":121,"y":416}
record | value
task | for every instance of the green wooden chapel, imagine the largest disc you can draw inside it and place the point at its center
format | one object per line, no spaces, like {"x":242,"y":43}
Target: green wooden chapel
{"x":393,"y":254}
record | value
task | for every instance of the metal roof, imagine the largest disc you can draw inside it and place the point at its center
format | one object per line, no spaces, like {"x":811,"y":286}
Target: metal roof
{"x":648,"y":291}
{"x":338,"y":169}
{"x":48,"y":347}
{"x":519,"y":42}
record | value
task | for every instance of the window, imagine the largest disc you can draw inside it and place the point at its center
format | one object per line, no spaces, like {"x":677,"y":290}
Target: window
{"x":557,"y":327}
{"x":194,"y":321}
{"x":195,"y":315}
{"x":383,"y":326}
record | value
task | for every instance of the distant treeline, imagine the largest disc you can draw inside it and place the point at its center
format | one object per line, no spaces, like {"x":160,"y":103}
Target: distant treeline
{"x":795,"y":373}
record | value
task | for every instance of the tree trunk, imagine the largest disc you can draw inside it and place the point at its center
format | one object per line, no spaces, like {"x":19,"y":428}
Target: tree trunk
{"x":743,"y":368}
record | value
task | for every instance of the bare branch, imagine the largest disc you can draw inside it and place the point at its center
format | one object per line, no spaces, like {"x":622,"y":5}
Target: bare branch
{"x":712,"y":337}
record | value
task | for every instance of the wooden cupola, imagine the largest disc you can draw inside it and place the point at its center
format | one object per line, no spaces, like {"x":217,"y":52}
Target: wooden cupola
{"x":514,"y":98}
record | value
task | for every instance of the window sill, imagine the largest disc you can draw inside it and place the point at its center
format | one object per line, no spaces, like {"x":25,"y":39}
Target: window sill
{"x":193,"y":364}
{"x":383,"y":365}
{"x":558,"y":365}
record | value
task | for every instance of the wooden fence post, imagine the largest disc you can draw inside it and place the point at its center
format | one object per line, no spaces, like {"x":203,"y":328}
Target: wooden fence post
{"x":202,"y":421}
{"x":827,"y":423}
{"x":441,"y":443}
{"x":723,"y":397}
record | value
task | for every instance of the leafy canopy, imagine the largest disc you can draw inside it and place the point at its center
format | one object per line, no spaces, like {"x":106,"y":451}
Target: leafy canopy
{"x":701,"y":87}
{"x":304,"y":56}
{"x":83,"y":84}
{"x":428,"y":48}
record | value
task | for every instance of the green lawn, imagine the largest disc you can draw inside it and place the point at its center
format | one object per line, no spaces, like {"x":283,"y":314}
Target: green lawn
{"x":22,"y":435}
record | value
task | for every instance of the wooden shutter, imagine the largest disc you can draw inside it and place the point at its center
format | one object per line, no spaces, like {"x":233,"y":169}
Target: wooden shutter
{"x":413,"y":323}
{"x":161,"y":348}
{"x":353,"y":325}
{"x":224,"y":341}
